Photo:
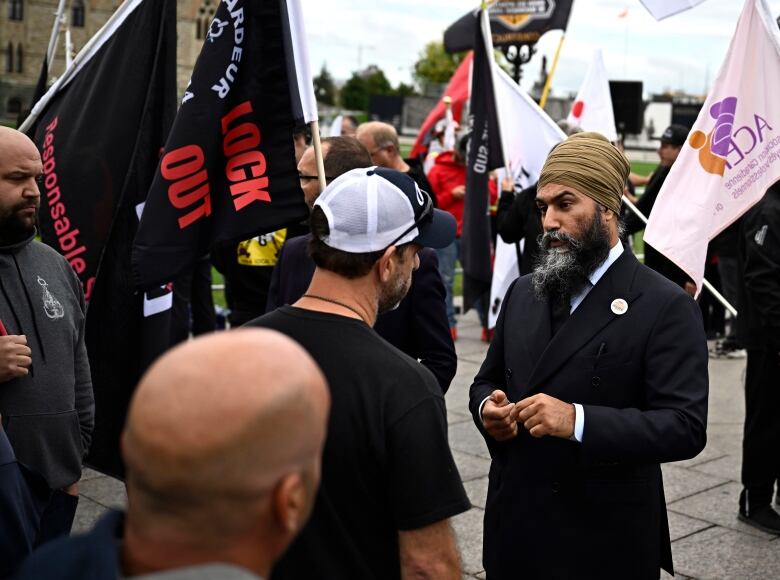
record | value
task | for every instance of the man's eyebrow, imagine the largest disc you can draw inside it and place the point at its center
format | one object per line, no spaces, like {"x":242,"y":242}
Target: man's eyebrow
{"x":556,"y":197}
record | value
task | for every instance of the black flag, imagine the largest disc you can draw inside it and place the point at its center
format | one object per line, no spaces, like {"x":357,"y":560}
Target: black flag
{"x":511,"y":22}
{"x":484,"y":155}
{"x":101,"y":128}
{"x":228,"y":171}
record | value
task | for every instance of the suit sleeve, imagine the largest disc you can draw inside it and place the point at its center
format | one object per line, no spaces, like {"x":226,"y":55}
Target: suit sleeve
{"x":645,"y":205}
{"x":431,"y":330}
{"x":491,"y":375}
{"x":671,"y":425}
{"x":762,"y":273}
{"x":510,"y":221}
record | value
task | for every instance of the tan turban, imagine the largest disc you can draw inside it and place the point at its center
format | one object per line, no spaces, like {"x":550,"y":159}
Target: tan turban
{"x":589,"y":163}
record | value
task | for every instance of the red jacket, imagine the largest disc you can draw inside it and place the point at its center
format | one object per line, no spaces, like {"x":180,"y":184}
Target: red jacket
{"x":446,"y":175}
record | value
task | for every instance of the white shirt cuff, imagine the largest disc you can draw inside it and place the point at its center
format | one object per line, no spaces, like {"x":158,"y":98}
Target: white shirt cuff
{"x":579,"y":422}
{"x":482,"y":404}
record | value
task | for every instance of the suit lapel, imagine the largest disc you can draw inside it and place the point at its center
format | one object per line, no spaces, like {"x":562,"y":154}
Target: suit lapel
{"x":590,"y":317}
{"x":537,"y":327}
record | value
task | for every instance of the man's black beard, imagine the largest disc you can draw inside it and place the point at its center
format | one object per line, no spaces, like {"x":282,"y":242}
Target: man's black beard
{"x":559,"y":274}
{"x":13,"y":228}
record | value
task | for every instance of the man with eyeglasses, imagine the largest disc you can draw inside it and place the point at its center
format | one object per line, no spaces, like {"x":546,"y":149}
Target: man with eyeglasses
{"x":418,"y":326}
{"x":389,"y":483}
{"x":381,"y":140}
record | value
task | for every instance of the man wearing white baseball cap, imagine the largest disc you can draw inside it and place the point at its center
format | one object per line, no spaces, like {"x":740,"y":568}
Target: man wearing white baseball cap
{"x":389,"y":482}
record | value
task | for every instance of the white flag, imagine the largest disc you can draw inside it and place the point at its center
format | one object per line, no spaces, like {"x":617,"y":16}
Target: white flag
{"x":300,"y":51}
{"x":660,"y":9}
{"x":335,"y":126}
{"x":528,"y":134}
{"x":732,"y":155}
{"x":449,"y":131}
{"x":592,"y":109}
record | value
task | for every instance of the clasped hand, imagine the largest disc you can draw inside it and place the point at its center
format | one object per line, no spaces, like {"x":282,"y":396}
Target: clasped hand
{"x":15,"y":357}
{"x":539,"y":414}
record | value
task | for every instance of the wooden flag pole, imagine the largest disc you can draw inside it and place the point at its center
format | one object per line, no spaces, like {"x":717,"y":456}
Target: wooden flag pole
{"x":317,"y":144}
{"x":717,"y":295}
{"x":548,"y":82}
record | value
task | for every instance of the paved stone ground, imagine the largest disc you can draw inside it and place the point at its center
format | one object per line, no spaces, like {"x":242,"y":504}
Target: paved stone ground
{"x":708,"y":540}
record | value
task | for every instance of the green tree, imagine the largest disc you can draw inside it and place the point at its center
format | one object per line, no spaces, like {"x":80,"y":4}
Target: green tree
{"x":324,"y":88}
{"x":404,"y":90}
{"x":354,"y":93}
{"x":357,"y":91}
{"x":435,"y":65}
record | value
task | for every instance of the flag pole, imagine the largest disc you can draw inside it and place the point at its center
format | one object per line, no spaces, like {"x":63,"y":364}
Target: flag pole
{"x":55,"y":32}
{"x":717,"y":295}
{"x":548,"y":82}
{"x":488,"y":38}
{"x":317,"y":144}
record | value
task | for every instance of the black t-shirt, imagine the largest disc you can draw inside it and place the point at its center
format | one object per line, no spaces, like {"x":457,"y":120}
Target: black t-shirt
{"x":386,"y":465}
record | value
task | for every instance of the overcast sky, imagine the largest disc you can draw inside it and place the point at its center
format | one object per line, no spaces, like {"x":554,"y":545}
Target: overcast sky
{"x":682,"y":52}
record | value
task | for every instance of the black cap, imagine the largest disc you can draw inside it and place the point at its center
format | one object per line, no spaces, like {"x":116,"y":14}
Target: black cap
{"x":675,"y":135}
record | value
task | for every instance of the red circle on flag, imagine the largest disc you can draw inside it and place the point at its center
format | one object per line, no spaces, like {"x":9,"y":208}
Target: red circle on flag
{"x":577,"y":108}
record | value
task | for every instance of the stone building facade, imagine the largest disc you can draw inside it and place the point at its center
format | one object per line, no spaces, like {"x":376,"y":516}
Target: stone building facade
{"x":25,"y":27}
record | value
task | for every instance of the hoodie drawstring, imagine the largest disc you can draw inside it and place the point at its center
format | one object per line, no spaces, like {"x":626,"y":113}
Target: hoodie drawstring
{"x":32,"y":310}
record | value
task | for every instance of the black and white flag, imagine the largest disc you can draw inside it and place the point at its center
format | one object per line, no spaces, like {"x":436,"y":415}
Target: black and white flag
{"x":100,"y":129}
{"x":484,"y":155}
{"x":228,"y":171}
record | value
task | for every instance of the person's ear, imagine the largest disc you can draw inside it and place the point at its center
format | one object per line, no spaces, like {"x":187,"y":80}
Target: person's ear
{"x":386,"y":264}
{"x":289,"y":503}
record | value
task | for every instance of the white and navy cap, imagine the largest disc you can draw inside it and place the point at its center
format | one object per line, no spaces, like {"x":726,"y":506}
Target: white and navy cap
{"x":370,"y":209}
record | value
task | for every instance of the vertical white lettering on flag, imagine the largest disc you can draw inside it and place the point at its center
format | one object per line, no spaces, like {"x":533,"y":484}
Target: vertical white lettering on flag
{"x":732,"y":155}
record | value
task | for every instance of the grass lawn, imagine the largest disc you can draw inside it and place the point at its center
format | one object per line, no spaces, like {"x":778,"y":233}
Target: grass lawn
{"x":218,"y":295}
{"x":643,"y":167}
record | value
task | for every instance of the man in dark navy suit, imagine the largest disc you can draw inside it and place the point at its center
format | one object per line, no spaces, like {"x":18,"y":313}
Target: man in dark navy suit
{"x":419,"y":325}
{"x":23,"y":497}
{"x":596,"y":375}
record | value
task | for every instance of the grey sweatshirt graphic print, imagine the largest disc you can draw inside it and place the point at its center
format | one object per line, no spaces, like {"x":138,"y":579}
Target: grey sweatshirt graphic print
{"x":48,"y":414}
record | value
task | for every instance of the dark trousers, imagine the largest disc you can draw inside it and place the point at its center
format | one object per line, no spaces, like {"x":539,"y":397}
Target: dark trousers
{"x":57,"y":518}
{"x":761,"y":441}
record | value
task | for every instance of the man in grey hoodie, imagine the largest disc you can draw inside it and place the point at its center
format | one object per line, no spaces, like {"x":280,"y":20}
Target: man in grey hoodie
{"x":46,"y":399}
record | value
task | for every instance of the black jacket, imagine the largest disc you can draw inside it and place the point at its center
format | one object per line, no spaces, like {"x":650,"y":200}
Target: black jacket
{"x":758,"y":323}
{"x":595,"y":509}
{"x":653,"y":258}
{"x":419,"y":325}
{"x":23,"y":497}
{"x":518,"y":218}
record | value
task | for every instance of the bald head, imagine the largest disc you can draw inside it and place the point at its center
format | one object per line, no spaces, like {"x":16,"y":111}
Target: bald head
{"x":13,"y":140}
{"x":20,"y":166}
{"x":381,"y":140}
{"x":215,"y":426}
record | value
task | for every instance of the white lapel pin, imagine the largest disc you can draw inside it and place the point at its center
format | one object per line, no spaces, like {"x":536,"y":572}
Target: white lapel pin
{"x":619,"y":306}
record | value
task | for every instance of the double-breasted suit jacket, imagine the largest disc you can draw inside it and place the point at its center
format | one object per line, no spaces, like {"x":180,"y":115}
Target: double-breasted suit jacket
{"x":563,"y":509}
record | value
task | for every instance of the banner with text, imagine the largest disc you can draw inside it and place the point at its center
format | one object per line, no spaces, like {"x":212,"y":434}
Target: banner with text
{"x":732,"y":155}
{"x":100,"y":129}
{"x":228,"y":171}
{"x":511,"y":22}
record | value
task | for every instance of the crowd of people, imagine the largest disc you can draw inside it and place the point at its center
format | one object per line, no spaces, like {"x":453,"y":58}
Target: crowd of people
{"x":321,"y":445}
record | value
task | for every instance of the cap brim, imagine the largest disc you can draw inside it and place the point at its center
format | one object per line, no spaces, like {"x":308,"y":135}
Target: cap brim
{"x":439,"y":232}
